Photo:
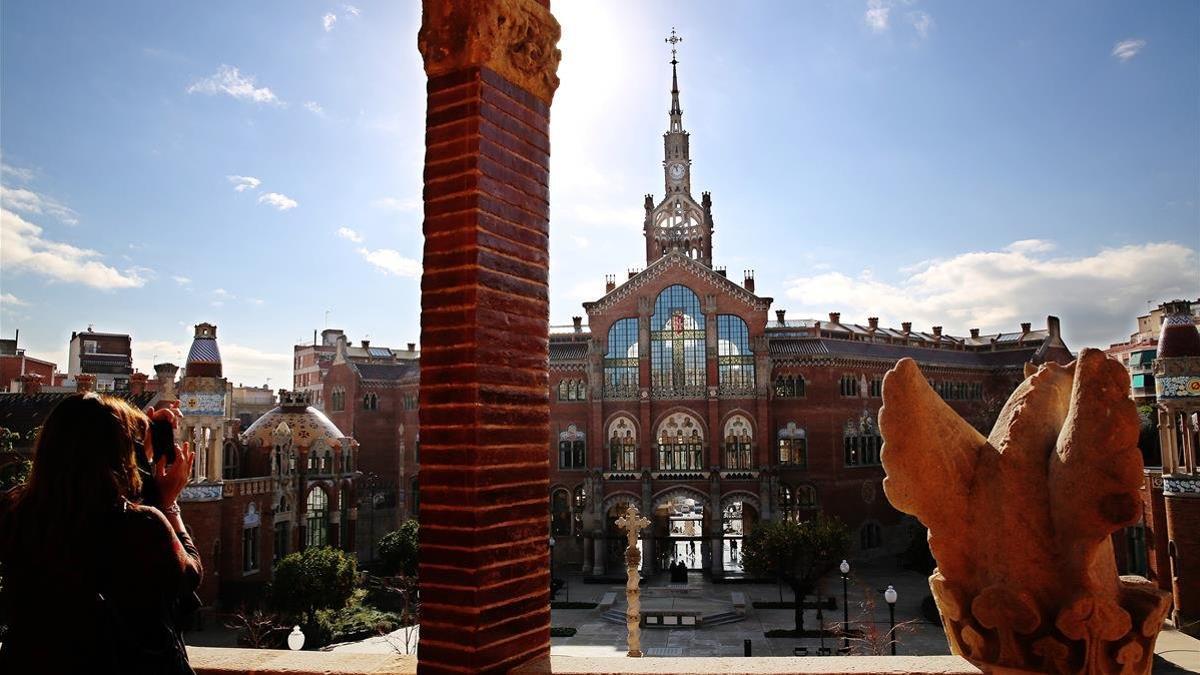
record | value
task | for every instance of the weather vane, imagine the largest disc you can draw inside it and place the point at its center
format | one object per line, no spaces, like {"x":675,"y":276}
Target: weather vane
{"x":673,"y":40}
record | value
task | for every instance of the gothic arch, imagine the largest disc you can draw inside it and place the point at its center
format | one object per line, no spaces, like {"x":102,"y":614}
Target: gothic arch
{"x":620,"y":498}
{"x":682,"y":412}
{"x":678,"y":491}
{"x":615,"y":418}
{"x":744,"y":496}
{"x":731,"y":417}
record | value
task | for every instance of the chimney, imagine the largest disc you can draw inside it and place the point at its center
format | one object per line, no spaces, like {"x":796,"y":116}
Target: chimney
{"x":610,"y":283}
{"x":85,"y":383}
{"x":722,"y":272}
{"x":137,"y":383}
{"x":1052,"y":327}
{"x":835,"y":317}
{"x":937,"y":331}
{"x":412,"y":346}
{"x":1025,"y":326}
{"x":631,"y":273}
{"x":748,"y":280}
{"x":873,"y":322}
{"x":165,"y":374}
{"x":366,"y":344}
{"x":578,"y":321}
{"x":31,"y":383}
{"x":906,"y":326}
{"x":975,"y":333}
{"x":779,"y":313}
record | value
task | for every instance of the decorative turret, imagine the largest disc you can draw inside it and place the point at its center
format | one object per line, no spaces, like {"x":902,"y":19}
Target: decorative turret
{"x":204,"y":359}
{"x":165,"y":374}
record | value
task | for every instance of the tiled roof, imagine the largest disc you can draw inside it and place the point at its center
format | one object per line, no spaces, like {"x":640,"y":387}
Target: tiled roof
{"x":388,"y":372}
{"x":24,"y":412}
{"x":568,"y":351}
{"x":204,"y":350}
{"x":805,"y":347}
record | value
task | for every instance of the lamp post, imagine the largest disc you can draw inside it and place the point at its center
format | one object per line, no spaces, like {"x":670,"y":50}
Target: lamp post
{"x":845,"y":570}
{"x":890,"y":595}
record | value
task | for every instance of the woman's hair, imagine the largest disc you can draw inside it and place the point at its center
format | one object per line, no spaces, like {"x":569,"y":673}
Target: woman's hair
{"x":83,"y":466}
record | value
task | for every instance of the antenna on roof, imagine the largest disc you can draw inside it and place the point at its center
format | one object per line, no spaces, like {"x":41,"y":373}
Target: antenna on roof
{"x":327,"y":318}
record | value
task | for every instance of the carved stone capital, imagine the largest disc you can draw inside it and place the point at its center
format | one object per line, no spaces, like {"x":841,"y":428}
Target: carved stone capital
{"x":515,"y":38}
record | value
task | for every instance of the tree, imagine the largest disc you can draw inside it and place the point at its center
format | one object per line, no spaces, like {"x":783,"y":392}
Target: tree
{"x":796,"y":553}
{"x":313,"y":579}
{"x":398,"y":550}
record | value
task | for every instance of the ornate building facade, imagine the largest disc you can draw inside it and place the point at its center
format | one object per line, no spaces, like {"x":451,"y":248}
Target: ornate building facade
{"x":683,"y":395}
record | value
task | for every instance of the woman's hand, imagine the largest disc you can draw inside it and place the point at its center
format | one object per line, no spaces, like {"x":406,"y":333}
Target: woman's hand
{"x":172,"y":478}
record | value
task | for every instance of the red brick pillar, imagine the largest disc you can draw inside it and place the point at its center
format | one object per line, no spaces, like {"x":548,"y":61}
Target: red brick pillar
{"x":484,"y":404}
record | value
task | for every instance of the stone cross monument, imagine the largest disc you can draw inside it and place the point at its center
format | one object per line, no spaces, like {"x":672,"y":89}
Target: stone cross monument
{"x":633,"y":523}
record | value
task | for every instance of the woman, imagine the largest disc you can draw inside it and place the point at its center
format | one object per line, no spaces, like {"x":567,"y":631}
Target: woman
{"x":92,"y":578}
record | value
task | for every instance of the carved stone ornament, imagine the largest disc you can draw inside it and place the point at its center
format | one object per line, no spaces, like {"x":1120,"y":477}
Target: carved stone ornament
{"x":1019,"y":522}
{"x":516,"y":38}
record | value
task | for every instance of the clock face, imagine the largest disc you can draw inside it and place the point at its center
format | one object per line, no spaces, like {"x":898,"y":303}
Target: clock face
{"x":676,"y":171}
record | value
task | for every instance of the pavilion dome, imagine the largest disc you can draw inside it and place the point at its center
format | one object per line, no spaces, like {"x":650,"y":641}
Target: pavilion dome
{"x":296,"y":416}
{"x":204,"y":359}
{"x":1179,"y":336}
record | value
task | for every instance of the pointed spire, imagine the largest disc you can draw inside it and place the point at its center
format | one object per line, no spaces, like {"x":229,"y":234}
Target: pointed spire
{"x":676,"y":111}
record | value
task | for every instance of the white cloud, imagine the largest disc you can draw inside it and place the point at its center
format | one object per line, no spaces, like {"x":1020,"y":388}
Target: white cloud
{"x":922,"y":22}
{"x":392,"y":262}
{"x":20,"y":174}
{"x":229,"y":80}
{"x":279,"y":201}
{"x":22,"y":247}
{"x":182,"y":281}
{"x":347,"y":233}
{"x":877,"y":15}
{"x":314,"y":108}
{"x":1096,"y":295}
{"x":1127,"y":49}
{"x":351,"y":10}
{"x":243,"y":183}
{"x":328,"y":20}
{"x":11,"y":300}
{"x":394,"y":204}
{"x":221,"y":292}
{"x":28,"y":201}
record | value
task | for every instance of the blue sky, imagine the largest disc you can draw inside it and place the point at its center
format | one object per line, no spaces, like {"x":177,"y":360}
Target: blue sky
{"x":257,"y":164}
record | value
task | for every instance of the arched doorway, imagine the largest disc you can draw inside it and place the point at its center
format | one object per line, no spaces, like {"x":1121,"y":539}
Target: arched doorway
{"x":739,"y":513}
{"x":616,"y":541}
{"x":679,"y":521}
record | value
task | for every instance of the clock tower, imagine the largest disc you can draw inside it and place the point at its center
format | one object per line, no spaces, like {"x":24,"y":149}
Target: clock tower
{"x":678,"y":223}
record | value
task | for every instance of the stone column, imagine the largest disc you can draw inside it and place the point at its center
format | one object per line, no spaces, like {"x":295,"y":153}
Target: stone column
{"x":586,"y":569}
{"x":598,"y":563}
{"x":484,"y":404}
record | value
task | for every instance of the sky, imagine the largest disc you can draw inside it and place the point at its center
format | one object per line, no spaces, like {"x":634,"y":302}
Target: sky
{"x":258,"y":165}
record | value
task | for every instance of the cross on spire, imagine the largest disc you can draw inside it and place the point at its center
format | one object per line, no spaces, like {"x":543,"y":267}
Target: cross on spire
{"x":673,"y":40}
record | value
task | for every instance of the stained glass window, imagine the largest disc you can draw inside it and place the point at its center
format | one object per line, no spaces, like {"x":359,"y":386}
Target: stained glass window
{"x":677,"y":344}
{"x":621,"y":359}
{"x":735,"y":363}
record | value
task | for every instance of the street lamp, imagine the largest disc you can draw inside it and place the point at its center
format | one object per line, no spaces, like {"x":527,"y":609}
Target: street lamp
{"x":551,"y":567}
{"x":890,"y":595}
{"x":845,"y":570}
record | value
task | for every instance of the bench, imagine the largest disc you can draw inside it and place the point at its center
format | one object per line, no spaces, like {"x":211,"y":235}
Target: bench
{"x":607,"y":601}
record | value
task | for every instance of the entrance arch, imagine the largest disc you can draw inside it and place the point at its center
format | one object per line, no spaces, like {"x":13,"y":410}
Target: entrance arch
{"x":739,"y":514}
{"x":680,"y":519}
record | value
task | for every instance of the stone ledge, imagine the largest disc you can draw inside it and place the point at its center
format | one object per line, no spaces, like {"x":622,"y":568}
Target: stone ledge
{"x":217,"y":661}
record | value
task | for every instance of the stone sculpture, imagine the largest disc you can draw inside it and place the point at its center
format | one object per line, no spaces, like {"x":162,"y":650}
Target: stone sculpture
{"x":1019,"y":522}
{"x":633,"y":523}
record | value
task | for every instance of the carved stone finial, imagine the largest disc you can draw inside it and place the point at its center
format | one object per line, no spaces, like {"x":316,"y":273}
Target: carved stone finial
{"x":1020,"y":522}
{"x":633,"y":523}
{"x":516,"y":38}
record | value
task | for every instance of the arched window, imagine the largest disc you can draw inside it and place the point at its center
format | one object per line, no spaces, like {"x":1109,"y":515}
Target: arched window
{"x":578,"y":505}
{"x":560,"y":513}
{"x":680,"y":444}
{"x":621,"y":360}
{"x":806,"y":497}
{"x":793,"y":446}
{"x":848,"y":385}
{"x":312,"y":460}
{"x":229,"y":460}
{"x":677,"y":344}
{"x":789,"y":386}
{"x":370,"y":401}
{"x":735,"y":363}
{"x":317,"y":533}
{"x":337,"y":399}
{"x":787,"y":503}
{"x":572,"y":449}
{"x":739,"y":441}
{"x":622,"y":445}
{"x":870,"y":536}
{"x":861,"y":441}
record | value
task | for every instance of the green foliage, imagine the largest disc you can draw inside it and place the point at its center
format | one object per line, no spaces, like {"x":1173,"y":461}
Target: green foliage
{"x":14,"y":469}
{"x":796,"y":553}
{"x":398,"y":550}
{"x":357,"y":620}
{"x":312,"y":580}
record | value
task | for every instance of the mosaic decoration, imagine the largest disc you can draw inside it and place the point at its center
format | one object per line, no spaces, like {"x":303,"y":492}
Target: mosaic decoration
{"x":307,"y":426}
{"x":202,"y":405}
{"x":1177,"y":386}
{"x":1181,"y":486}
{"x":201,"y":493}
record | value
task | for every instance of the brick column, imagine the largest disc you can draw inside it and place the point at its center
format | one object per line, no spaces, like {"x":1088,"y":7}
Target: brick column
{"x":484,"y":404}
